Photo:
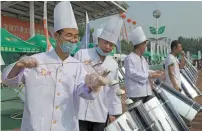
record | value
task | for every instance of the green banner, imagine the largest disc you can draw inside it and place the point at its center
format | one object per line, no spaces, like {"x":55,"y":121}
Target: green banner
{"x":11,"y":43}
{"x":40,"y":40}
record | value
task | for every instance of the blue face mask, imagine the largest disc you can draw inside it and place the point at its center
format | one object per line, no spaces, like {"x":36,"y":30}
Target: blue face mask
{"x":100,"y":52}
{"x":67,"y":47}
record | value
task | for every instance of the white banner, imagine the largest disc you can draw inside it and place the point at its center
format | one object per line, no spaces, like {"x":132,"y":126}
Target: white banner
{"x":199,"y":55}
{"x":188,"y":55}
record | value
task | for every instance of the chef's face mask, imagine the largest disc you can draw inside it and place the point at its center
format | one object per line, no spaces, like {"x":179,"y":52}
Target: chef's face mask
{"x":100,"y":52}
{"x":142,"y":50}
{"x":143,"y":47}
{"x":67,"y":46}
{"x":67,"y":39}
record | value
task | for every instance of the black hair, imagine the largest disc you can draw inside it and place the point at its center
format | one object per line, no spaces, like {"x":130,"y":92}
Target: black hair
{"x":135,"y":47}
{"x":174,"y":44}
{"x":60,"y":31}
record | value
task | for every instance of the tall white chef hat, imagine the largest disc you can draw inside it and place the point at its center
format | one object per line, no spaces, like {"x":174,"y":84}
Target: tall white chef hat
{"x":112,"y":29}
{"x":64,"y":16}
{"x":137,"y":36}
{"x":97,"y":34}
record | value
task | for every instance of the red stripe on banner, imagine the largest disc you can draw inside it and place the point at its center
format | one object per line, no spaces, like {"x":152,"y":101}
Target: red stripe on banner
{"x":125,"y":31}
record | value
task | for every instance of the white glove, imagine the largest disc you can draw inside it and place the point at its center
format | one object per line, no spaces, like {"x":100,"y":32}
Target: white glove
{"x":120,"y":92}
{"x":95,"y":81}
{"x":129,"y":101}
{"x":156,"y":74}
{"x":87,"y":62}
{"x":27,"y":62}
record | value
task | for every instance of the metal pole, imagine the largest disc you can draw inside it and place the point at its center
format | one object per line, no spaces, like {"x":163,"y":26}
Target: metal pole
{"x":86,"y":29}
{"x":120,"y":54}
{"x":31,"y":10}
{"x":157,"y":36}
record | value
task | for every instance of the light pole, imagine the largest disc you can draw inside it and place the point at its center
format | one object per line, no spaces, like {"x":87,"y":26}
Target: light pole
{"x":156,"y":15}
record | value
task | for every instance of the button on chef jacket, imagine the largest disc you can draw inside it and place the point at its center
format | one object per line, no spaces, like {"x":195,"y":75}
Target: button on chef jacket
{"x":51,"y":93}
{"x":136,"y":76}
{"x":107,"y":101}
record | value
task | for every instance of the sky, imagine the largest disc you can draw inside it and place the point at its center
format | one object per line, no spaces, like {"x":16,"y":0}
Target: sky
{"x":180,"y":18}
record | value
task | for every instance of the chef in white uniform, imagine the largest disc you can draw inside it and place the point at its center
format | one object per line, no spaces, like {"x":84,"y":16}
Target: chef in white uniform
{"x":54,"y":80}
{"x":94,"y":113}
{"x":137,"y":73}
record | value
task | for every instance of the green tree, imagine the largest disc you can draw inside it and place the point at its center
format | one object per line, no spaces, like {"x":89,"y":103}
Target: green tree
{"x":82,"y":32}
{"x":191,"y":44}
{"x":126,"y":47}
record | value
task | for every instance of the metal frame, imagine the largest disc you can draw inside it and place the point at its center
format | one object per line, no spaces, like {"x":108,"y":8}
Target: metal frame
{"x":95,"y":9}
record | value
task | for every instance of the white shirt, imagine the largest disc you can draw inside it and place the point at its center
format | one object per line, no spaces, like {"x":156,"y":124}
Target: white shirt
{"x":136,"y":76}
{"x":169,"y":61}
{"x":107,"y":101}
{"x":51,"y":93}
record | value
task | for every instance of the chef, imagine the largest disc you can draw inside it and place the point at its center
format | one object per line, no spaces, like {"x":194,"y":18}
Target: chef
{"x":94,"y":113}
{"x":137,"y":73}
{"x":53,"y":80}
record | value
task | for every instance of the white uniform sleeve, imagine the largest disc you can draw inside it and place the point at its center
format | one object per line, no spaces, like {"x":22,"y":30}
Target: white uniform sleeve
{"x":114,"y":103}
{"x":82,"y":90}
{"x":14,"y":82}
{"x":134,"y":74}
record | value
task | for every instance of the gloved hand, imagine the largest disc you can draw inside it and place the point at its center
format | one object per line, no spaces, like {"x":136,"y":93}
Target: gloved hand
{"x":177,"y":88}
{"x":156,"y":74}
{"x":87,"y":62}
{"x":27,"y":62}
{"x":95,"y":81}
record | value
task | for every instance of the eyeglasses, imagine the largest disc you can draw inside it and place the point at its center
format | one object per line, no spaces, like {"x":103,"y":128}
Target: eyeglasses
{"x":69,"y":36}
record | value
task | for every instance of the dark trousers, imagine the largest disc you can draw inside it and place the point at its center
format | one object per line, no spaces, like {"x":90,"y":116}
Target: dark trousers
{"x":91,"y":126}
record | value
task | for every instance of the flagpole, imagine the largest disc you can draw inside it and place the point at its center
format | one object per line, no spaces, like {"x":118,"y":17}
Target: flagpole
{"x":46,"y":27}
{"x":120,"y":53}
{"x":86,"y":28}
{"x":126,"y":31}
{"x":86,"y":36}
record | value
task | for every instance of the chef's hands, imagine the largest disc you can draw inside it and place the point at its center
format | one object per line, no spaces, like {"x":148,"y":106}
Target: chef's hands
{"x":177,"y":88}
{"x":156,"y":74}
{"x":24,"y":62}
{"x":95,"y":81}
{"x":111,"y":118}
{"x":27,"y":62}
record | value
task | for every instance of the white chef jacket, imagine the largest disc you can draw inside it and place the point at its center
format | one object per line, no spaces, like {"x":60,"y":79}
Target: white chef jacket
{"x":170,"y":59}
{"x":136,"y":76}
{"x":107,"y":101}
{"x":51,"y":93}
